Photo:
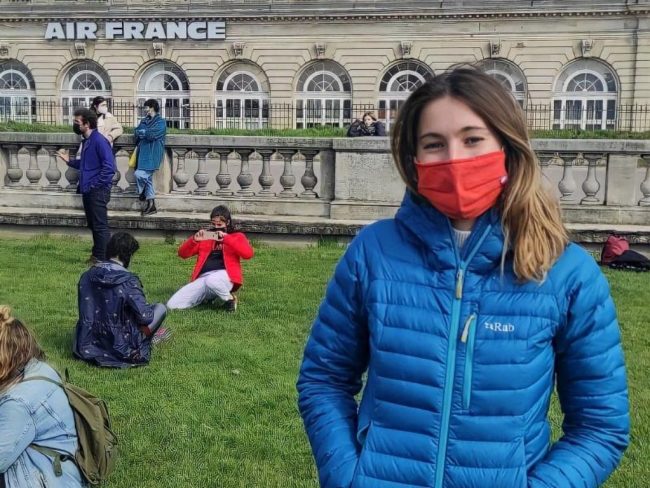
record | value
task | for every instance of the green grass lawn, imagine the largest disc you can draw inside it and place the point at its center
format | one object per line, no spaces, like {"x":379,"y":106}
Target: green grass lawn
{"x":217,"y":405}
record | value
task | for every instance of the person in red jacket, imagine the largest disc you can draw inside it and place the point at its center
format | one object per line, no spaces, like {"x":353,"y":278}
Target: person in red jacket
{"x":217,"y":272}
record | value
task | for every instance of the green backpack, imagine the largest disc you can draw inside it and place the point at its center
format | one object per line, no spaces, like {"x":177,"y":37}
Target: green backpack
{"x":97,"y":452}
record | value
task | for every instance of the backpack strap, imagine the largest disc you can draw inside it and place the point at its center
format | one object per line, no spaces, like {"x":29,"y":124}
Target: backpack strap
{"x":57,"y":456}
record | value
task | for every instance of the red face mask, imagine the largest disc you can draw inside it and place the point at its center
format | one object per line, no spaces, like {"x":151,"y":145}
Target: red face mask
{"x":463,"y":188}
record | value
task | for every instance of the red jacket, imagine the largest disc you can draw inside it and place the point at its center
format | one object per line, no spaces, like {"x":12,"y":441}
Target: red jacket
{"x":235,"y":247}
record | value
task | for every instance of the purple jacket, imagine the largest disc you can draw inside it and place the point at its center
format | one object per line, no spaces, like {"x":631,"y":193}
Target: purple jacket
{"x":96,"y":165}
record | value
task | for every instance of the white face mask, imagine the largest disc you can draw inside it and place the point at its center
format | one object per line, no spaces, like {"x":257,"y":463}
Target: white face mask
{"x":102,"y":109}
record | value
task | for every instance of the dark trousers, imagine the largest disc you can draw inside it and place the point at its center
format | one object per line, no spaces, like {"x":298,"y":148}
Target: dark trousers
{"x":95,"y":206}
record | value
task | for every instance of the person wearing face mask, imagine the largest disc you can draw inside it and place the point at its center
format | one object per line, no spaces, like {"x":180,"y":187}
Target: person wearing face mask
{"x":116,"y":326}
{"x":367,"y":126}
{"x":464,"y":312}
{"x":96,"y":166}
{"x":150,"y":142}
{"x":217,"y":272}
{"x":107,"y":124}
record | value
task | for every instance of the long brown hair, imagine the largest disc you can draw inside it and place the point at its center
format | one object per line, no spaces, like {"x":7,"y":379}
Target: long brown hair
{"x":17,"y":347}
{"x":531,"y":218}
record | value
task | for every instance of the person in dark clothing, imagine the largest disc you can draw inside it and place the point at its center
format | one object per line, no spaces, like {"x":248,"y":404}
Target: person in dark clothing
{"x":150,"y":142}
{"x":96,"y":165}
{"x":116,"y":325}
{"x":367,"y":126}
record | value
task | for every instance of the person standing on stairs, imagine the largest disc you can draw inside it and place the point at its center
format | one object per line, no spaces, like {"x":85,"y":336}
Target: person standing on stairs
{"x":150,"y":144}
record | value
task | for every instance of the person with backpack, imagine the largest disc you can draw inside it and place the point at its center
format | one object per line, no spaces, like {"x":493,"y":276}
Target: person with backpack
{"x":116,"y":326}
{"x":33,"y":414}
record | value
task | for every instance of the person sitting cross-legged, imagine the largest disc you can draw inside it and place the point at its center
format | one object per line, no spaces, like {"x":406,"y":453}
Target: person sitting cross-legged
{"x":217,"y":272}
{"x":117,"y":325}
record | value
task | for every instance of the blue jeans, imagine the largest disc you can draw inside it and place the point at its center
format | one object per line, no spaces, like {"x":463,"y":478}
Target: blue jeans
{"x":95,"y":203}
{"x":144,"y":182}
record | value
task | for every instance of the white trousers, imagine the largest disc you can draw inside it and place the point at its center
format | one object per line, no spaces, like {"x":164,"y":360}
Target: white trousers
{"x":206,"y":287}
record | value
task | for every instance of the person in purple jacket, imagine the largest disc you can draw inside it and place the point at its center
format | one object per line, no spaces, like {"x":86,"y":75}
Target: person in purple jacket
{"x":96,"y":166}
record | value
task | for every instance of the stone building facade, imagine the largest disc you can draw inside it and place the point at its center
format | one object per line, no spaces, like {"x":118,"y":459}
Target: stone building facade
{"x":286,"y":63}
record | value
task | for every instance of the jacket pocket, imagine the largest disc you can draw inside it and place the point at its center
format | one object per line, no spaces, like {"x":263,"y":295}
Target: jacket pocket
{"x":468,"y":336}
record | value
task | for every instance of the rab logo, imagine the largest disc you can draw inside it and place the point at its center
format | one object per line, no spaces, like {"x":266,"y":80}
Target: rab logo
{"x":499,"y":327}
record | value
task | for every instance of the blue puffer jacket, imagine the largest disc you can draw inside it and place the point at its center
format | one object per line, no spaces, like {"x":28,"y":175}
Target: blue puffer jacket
{"x":460,"y":364}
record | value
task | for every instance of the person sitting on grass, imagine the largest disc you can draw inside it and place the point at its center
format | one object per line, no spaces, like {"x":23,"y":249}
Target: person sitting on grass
{"x":116,"y":326}
{"x":33,"y":413}
{"x":217,"y":272}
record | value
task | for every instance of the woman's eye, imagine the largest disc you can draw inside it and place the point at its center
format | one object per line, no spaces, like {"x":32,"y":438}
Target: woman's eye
{"x":473,"y":140}
{"x":433,"y":145}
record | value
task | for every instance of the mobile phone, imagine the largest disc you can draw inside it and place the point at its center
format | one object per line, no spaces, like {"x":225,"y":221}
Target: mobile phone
{"x":210,"y":234}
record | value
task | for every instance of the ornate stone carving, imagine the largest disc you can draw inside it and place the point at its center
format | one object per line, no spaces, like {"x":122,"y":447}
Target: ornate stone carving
{"x":567,"y":184}
{"x":238,"y":49}
{"x":591,"y":185}
{"x":645,"y":185}
{"x":585,"y":46}
{"x":158,"y":49}
{"x":495,"y":48}
{"x":405,"y":48}
{"x":245,"y":178}
{"x":180,"y":176}
{"x":265,"y":179}
{"x":320,"y":48}
{"x":80,"y":49}
{"x":201,"y":177}
{"x":4,"y":50}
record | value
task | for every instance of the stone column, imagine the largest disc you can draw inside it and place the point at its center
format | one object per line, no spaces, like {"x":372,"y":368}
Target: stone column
{"x":201,"y":177}
{"x":245,"y":178}
{"x":287,"y":180}
{"x":180,"y":176}
{"x":309,"y":179}
{"x":71,"y":174}
{"x":14,"y":172}
{"x":645,"y":185}
{"x":132,"y":188}
{"x":223,"y":177}
{"x":266,"y":179}
{"x":591,"y":185}
{"x":33,"y":173}
{"x":568,"y":184}
{"x":53,"y":174}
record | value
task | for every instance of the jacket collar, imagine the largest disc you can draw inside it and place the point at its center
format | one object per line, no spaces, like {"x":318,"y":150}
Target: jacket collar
{"x":433,"y":231}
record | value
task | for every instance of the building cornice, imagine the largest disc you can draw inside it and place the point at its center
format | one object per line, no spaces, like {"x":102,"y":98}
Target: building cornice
{"x":39,"y":17}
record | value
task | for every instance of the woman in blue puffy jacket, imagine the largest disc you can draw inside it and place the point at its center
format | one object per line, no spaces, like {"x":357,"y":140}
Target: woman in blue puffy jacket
{"x":465,"y":311}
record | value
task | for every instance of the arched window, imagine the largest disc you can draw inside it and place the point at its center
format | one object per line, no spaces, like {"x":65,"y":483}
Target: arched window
{"x":509,"y":75}
{"x":397,"y":83}
{"x":167,"y":83}
{"x":17,"y":92}
{"x":242,"y":98}
{"x":585,"y":96}
{"x":323,"y":95}
{"x":82,"y":82}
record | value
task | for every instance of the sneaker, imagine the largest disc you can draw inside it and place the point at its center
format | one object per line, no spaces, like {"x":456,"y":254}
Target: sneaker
{"x":163,"y":334}
{"x":231,"y":305}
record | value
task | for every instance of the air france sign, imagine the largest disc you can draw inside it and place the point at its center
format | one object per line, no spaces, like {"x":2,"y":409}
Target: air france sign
{"x":195,"y":30}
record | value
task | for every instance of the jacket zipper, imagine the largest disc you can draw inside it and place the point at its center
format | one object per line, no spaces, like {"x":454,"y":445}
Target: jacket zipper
{"x":451,"y":360}
{"x":467,"y":338}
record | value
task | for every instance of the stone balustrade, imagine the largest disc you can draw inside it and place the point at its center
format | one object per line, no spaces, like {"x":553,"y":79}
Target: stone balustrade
{"x":597,"y":181}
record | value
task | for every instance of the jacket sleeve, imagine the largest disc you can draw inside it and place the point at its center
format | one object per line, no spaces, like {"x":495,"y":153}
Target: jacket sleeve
{"x":116,"y":129}
{"x":107,"y":162}
{"x":592,"y":389}
{"x":17,"y":431}
{"x":138,"y":132}
{"x":336,"y":355}
{"x":237,"y":242}
{"x":137,"y":302}
{"x":353,"y":130}
{"x":380,"y":129}
{"x":156,"y":131}
{"x":188,"y":248}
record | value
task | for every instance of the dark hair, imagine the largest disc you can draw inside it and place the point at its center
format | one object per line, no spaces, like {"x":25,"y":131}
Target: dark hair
{"x":97,"y":101}
{"x":222,"y":211}
{"x":87,"y":116}
{"x":153,"y":103}
{"x":122,"y":246}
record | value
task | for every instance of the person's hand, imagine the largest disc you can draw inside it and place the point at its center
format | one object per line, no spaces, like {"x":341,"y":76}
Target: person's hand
{"x":220,"y":235}
{"x":200,"y":235}
{"x":64,"y":155}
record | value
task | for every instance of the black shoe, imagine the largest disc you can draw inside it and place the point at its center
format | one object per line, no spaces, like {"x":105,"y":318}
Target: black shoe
{"x":141,"y":196}
{"x":230,"y":305}
{"x":151,"y":208}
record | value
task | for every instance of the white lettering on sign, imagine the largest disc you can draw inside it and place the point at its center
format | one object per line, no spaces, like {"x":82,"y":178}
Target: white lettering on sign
{"x":197,"y":30}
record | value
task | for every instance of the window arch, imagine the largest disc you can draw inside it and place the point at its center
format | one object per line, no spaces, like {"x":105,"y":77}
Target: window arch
{"x":17,"y":92}
{"x":509,"y":75}
{"x":82,"y":82}
{"x":397,"y":83}
{"x":242,"y":97}
{"x":323,"y":95}
{"x":585,"y":96}
{"x":166,"y":82}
